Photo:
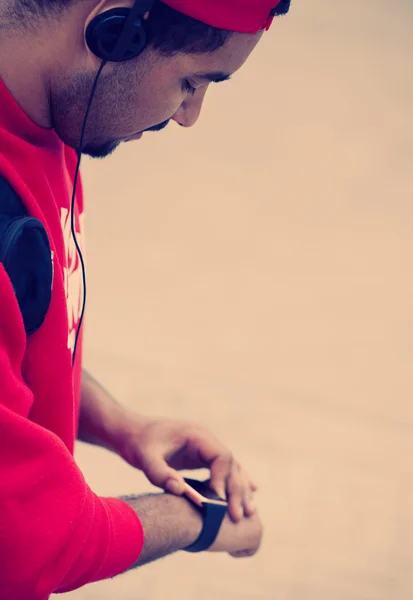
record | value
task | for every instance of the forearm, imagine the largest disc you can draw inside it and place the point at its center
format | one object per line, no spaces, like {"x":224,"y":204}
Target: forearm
{"x":170,"y":523}
{"x":100,"y":415}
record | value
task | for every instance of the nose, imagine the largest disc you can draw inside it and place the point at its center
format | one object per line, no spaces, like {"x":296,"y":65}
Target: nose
{"x":188,"y":113}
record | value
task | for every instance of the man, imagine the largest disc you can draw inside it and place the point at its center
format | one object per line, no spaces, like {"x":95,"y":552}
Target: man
{"x":56,"y":535}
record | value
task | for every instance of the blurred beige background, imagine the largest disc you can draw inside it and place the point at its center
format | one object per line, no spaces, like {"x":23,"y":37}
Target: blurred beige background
{"x":255,"y":273}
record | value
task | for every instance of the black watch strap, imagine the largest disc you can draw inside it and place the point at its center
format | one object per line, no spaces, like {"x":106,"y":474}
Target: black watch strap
{"x":213,"y":516}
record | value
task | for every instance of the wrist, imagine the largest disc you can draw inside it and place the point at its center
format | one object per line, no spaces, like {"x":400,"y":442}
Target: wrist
{"x":214,"y":510}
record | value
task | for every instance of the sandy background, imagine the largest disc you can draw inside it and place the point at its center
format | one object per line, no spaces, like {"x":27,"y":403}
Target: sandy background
{"x":255,"y":273}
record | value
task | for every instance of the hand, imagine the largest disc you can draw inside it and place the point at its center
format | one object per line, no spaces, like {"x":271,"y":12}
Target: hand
{"x":162,"y":447}
{"x":241,"y":539}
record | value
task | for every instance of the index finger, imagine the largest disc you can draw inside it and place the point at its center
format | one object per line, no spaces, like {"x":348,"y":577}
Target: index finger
{"x":216,"y":457}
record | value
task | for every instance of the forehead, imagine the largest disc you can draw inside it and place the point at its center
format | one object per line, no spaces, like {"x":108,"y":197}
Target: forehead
{"x":227,"y":59}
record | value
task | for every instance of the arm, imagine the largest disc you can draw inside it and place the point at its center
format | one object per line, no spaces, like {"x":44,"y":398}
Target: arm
{"x":172,"y":523}
{"x":55,"y":532}
{"x":163,"y":447}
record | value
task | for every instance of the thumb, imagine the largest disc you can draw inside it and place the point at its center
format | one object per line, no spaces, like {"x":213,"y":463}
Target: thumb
{"x":163,"y":476}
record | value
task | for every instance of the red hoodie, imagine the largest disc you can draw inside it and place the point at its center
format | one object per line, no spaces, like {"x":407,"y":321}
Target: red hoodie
{"x":55,"y":534}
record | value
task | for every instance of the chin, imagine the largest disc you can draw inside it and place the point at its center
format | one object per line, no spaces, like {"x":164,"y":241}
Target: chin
{"x":100,"y":150}
{"x":92,"y":149}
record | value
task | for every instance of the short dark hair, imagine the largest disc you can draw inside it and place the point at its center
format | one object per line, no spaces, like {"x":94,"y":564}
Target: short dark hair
{"x":282,"y":8}
{"x":169,"y":31}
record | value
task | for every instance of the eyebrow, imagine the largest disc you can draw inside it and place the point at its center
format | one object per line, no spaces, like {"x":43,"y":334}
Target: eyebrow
{"x":214,"y":77}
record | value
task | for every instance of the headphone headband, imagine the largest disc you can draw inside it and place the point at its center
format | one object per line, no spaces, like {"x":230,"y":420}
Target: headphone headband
{"x":141,"y":7}
{"x":138,"y":10}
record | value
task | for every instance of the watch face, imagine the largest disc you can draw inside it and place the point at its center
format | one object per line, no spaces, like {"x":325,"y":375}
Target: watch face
{"x":202,"y":488}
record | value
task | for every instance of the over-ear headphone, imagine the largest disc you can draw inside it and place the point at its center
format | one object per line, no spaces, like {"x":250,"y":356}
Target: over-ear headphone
{"x":118,"y":34}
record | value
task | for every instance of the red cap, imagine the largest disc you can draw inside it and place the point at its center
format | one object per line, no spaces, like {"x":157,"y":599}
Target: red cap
{"x":244,"y":16}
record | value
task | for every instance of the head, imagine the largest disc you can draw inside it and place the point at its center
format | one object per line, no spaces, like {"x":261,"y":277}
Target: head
{"x":167,"y":82}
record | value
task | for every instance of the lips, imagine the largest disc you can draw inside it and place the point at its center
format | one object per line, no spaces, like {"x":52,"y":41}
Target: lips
{"x":135,"y":136}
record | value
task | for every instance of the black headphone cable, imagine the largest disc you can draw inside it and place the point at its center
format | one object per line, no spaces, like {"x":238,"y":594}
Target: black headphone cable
{"x":73,"y":202}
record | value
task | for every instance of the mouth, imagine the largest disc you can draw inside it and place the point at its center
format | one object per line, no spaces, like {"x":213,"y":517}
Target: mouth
{"x":137,"y":136}
{"x":159,"y":127}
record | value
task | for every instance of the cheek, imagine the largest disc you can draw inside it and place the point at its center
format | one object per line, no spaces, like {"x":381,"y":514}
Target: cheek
{"x":158,"y":104}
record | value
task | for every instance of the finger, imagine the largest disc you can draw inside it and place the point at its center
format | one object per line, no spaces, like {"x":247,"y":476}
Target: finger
{"x":253,"y":485}
{"x":249,"y":489}
{"x":161,"y":475}
{"x":243,"y":553}
{"x":248,"y":500}
{"x":235,"y":489}
{"x":220,"y":471}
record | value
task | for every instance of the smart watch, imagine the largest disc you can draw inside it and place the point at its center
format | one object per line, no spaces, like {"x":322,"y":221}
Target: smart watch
{"x":213,"y":509}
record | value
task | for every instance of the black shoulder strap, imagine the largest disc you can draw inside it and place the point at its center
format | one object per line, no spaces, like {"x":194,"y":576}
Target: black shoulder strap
{"x":26,"y":256}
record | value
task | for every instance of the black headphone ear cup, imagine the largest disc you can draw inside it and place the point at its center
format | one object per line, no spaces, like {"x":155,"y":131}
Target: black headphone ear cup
{"x":104,"y":36}
{"x":133,"y":47}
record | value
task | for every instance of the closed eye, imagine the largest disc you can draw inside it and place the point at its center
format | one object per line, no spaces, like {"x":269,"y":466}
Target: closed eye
{"x":189,"y":88}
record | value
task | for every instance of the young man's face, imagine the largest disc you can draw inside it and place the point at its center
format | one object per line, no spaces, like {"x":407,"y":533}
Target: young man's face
{"x":141,"y":95}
